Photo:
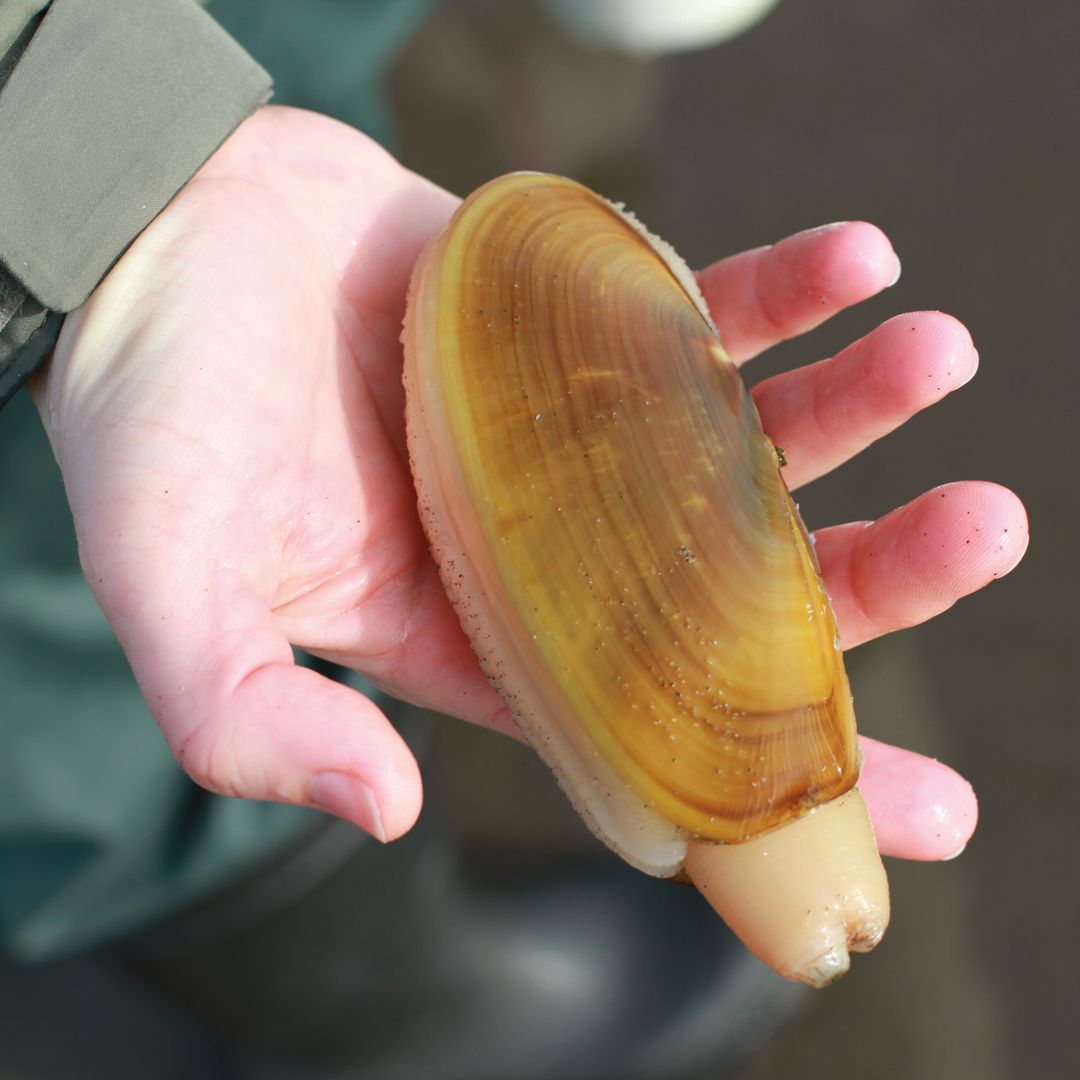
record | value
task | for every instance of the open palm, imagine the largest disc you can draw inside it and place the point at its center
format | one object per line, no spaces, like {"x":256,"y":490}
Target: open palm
{"x":227,"y":412}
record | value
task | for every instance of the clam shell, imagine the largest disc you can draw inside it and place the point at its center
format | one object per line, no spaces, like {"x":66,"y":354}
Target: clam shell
{"x":611,"y":524}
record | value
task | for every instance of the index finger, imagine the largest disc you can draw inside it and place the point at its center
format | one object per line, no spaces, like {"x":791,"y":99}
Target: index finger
{"x":761,"y":297}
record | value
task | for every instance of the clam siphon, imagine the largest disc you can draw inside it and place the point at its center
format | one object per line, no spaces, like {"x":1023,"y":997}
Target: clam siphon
{"x":612,"y":526}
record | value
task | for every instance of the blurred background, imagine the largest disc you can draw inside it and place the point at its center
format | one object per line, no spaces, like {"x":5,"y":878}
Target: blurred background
{"x":954,"y":128}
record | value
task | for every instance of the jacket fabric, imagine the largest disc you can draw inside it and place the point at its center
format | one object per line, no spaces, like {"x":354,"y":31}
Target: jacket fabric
{"x":107,"y":109}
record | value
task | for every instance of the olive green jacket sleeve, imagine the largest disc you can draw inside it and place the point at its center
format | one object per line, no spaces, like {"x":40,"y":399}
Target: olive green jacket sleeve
{"x":107,"y":107}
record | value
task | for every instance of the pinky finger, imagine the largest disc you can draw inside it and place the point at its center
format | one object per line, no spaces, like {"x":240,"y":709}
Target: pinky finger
{"x":921,"y":809}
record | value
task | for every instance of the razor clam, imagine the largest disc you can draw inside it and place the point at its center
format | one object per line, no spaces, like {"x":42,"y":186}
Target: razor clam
{"x":611,"y":525}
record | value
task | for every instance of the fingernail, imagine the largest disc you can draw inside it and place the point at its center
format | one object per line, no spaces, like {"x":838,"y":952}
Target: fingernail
{"x":896,"y":272}
{"x":349,"y":798}
{"x":832,"y":226}
{"x":956,"y":854}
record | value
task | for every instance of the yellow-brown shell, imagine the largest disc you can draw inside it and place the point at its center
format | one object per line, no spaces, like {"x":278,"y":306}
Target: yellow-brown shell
{"x":610,"y":521}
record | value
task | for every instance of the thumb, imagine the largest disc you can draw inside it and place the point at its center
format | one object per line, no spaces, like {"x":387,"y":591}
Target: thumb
{"x":243,"y":719}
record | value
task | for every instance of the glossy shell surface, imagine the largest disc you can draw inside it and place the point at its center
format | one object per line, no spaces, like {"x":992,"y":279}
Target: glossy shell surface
{"x":612,"y":526}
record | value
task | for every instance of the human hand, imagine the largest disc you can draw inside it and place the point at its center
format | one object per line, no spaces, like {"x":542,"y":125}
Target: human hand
{"x":227,"y":412}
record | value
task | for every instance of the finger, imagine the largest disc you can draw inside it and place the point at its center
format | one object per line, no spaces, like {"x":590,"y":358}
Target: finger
{"x":920,"y":808}
{"x":826,"y":413}
{"x":762,"y":297}
{"x":244,"y":720}
{"x":919,"y":560}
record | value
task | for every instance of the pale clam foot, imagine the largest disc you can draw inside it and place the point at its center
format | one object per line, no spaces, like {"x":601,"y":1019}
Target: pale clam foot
{"x":803,"y":897}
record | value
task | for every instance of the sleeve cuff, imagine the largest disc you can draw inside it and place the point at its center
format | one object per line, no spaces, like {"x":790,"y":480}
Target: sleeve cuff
{"x":109,"y":111}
